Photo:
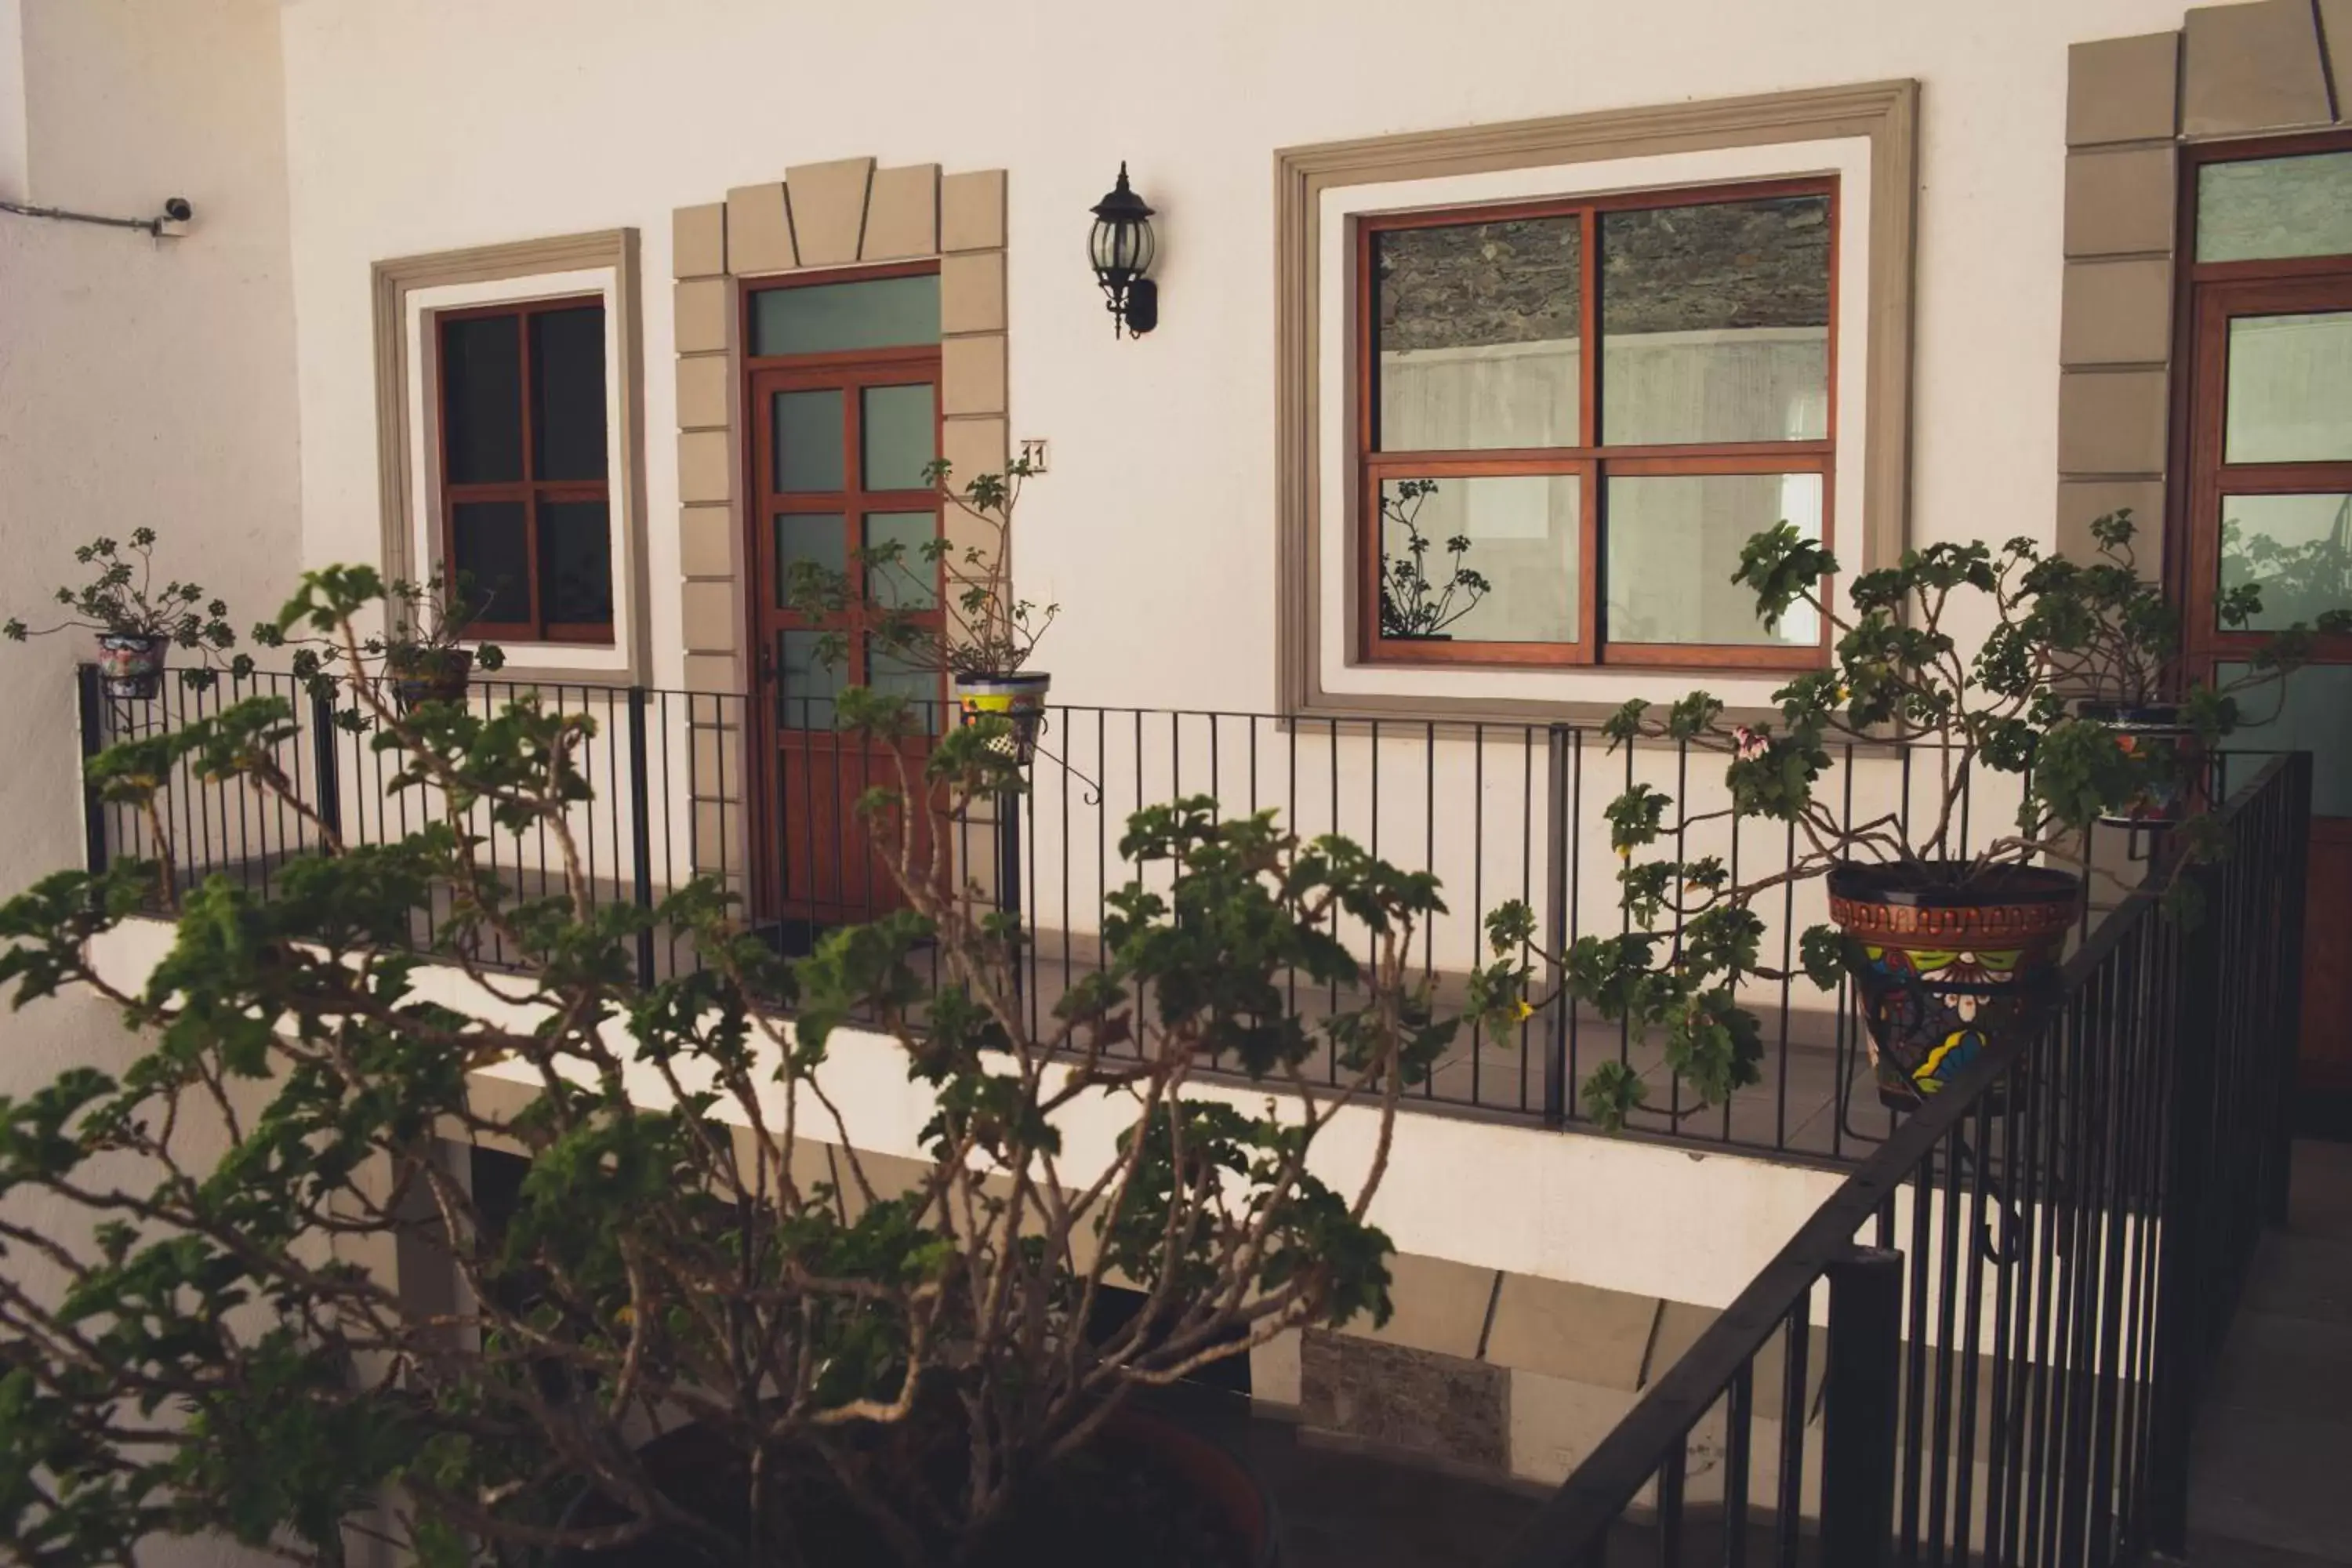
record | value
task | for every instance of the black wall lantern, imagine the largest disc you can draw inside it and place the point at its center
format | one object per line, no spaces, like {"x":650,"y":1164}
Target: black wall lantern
{"x":1121,"y":249}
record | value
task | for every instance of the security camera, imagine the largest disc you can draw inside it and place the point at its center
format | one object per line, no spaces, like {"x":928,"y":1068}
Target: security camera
{"x":177,"y":209}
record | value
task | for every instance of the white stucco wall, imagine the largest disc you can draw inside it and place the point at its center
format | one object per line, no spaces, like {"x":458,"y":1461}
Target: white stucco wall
{"x":141,"y":382}
{"x":432,"y":124}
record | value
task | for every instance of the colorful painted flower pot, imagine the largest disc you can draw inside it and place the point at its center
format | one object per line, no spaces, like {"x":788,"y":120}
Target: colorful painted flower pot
{"x":2155,"y":730}
{"x":131,"y":665}
{"x":1019,"y":698}
{"x":428,"y":675}
{"x":1944,"y":969}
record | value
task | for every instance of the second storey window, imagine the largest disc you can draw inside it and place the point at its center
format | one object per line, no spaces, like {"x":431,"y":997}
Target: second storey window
{"x":525,"y":490}
{"x":1573,"y":413}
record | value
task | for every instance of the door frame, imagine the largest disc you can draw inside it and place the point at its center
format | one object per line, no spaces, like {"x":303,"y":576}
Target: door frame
{"x":765,"y":778}
{"x":2205,"y":295}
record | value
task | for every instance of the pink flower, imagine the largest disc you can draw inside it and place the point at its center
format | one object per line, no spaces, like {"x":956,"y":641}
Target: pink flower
{"x":1748,"y":744}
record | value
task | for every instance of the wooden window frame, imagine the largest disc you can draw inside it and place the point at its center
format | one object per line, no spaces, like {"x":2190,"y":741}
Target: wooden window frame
{"x":1589,"y":459}
{"x":531,"y":490}
{"x":2210,"y":293}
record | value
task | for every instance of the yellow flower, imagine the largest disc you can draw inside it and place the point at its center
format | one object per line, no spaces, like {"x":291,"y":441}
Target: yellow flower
{"x":1523,"y":1010}
{"x":1625,"y":852}
{"x":626,"y":1316}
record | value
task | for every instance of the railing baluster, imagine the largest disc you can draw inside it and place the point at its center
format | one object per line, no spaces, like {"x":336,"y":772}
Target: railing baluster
{"x":1858,"y":1407}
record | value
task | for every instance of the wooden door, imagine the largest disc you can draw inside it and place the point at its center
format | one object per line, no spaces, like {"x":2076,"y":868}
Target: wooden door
{"x":2269,"y":502}
{"x":837,"y":451}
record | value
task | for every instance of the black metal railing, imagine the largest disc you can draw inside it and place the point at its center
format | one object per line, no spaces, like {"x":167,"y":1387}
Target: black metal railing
{"x":1496,"y":812}
{"x":2019,"y":1295}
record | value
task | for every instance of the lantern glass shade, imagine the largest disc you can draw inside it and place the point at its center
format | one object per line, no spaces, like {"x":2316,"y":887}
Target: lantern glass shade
{"x":1121,"y":247}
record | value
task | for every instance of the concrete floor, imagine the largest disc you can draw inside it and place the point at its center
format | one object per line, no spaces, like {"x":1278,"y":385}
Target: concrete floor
{"x":2271,"y":1474}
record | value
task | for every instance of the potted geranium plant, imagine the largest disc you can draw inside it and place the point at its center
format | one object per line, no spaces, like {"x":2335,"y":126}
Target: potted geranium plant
{"x":138,"y":624}
{"x":2113,"y":641}
{"x":1948,"y":946}
{"x":705,"y":1326}
{"x":946,"y":607}
{"x":423,"y":652}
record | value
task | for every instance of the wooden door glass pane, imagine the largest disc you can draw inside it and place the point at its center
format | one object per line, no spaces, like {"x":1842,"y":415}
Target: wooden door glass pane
{"x":891,"y":675}
{"x":575,"y":562}
{"x":2273,"y":208}
{"x":909,"y":579}
{"x":2290,"y":392}
{"x":493,"y":554}
{"x":481,"y":400}
{"x":1491,"y":558}
{"x":1673,"y":542}
{"x":806,"y":684}
{"x":567,"y":392}
{"x":1476,"y":330}
{"x":828,"y":317}
{"x":2297,"y":549}
{"x":2311,"y":711}
{"x":1715,"y":322}
{"x":808,"y":438}
{"x":815,"y":537}
{"x":897,"y":431}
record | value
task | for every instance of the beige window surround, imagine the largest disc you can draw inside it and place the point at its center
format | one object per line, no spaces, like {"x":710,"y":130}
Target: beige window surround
{"x":391,"y":284}
{"x":1883,"y":113}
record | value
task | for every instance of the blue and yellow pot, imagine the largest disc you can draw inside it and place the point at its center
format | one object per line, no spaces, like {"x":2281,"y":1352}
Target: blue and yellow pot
{"x":131,"y":664}
{"x":1018,"y":696}
{"x":1945,"y":966}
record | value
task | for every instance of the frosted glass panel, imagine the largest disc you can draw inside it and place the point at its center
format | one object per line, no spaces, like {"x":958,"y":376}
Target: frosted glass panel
{"x":806,"y":684}
{"x":2264,"y":208}
{"x":2290,"y":389}
{"x":1715,"y":322}
{"x":814,"y":537}
{"x":1491,"y":559}
{"x":2297,"y":549}
{"x":826,"y":318}
{"x":892,"y":675}
{"x":1675,"y":541}
{"x":912,"y":583}
{"x":900,"y":435}
{"x":2313,"y":713}
{"x":1476,"y":330}
{"x":809,"y":434}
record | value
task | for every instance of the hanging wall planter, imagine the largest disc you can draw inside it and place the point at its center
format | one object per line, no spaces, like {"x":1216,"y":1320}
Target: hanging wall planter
{"x":421,"y":674}
{"x":131,"y":664}
{"x":2158,"y":729}
{"x":1018,"y":696}
{"x":1943,"y":971}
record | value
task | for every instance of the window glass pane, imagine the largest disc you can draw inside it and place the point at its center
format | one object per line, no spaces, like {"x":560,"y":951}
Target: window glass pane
{"x":2311,"y":711}
{"x":2270,"y":207}
{"x":892,"y":675}
{"x":1674,"y":542}
{"x":575,"y":562}
{"x":481,"y":400}
{"x":813,"y":536}
{"x":1490,"y":559}
{"x":900,"y":437}
{"x":1715,"y":322}
{"x":809,"y":434}
{"x":2290,"y":389}
{"x":825,"y":318}
{"x":2297,"y":549}
{"x":493,"y":557}
{"x":912,"y":583}
{"x":567,"y":384}
{"x":1476,"y":326}
{"x":806,"y":684}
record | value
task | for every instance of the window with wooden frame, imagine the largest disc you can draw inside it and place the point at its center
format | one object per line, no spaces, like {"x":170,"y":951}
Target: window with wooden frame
{"x":1571,"y":415}
{"x":526,"y":494}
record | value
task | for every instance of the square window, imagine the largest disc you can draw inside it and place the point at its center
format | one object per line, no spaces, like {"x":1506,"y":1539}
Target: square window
{"x":525,"y":468}
{"x":1579,"y":411}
